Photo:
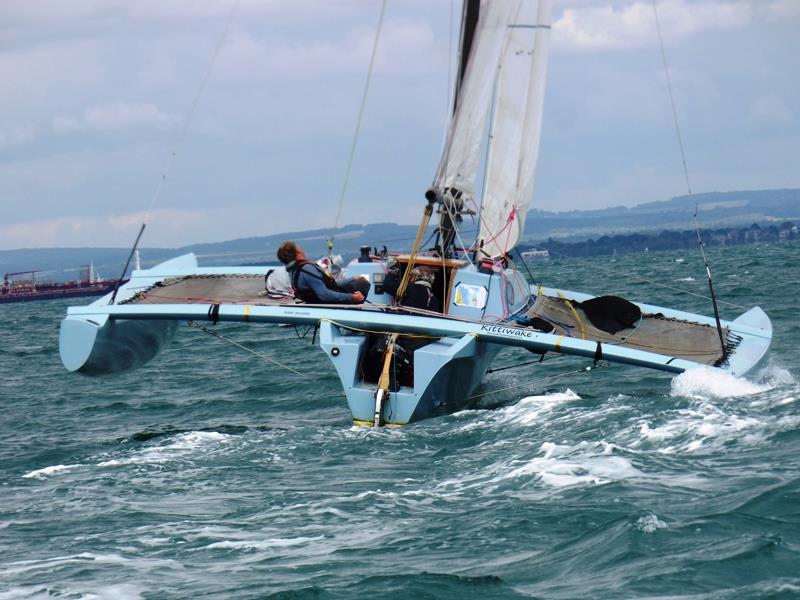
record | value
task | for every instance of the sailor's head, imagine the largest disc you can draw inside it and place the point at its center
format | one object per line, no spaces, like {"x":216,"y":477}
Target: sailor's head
{"x":289,"y":252}
{"x":422,"y":273}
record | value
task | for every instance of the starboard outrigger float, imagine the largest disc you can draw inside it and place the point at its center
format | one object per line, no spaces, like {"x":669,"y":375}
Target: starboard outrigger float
{"x":487,"y":304}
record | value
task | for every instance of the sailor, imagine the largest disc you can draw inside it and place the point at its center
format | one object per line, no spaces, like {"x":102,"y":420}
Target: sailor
{"x":391,"y":281}
{"x":313,"y":285}
{"x":419,"y":293}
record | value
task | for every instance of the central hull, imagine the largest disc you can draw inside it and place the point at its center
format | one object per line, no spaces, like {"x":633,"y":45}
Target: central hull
{"x":445,"y":374}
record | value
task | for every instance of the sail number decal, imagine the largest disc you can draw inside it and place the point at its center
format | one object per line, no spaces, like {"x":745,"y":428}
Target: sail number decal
{"x":507,"y":331}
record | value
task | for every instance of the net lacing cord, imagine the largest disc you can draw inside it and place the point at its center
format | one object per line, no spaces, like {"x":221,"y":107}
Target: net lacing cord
{"x":357,"y":129}
{"x":421,"y":336}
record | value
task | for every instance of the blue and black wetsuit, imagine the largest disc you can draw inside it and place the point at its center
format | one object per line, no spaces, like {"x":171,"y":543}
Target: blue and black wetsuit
{"x":313,"y":285}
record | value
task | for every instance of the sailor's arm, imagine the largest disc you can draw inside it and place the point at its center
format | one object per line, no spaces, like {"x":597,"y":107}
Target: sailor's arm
{"x":307,"y":280}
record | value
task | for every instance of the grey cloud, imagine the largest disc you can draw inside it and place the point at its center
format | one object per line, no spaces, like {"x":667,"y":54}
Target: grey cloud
{"x":117,"y":116}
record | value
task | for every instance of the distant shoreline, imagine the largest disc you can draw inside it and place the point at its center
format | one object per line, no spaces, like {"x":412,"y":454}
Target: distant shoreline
{"x":667,"y":240}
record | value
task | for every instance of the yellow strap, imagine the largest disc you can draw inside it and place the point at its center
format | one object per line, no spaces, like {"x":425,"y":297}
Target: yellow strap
{"x":383,"y":382}
{"x":426,"y":217}
{"x":574,"y":314}
{"x":247,"y":312}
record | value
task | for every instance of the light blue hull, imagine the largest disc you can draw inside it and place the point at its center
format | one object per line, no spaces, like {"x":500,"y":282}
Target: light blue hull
{"x":105,"y":338}
{"x":103,"y":346}
{"x":446,"y":374}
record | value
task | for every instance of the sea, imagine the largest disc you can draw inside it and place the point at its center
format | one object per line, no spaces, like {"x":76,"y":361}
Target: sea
{"x":214,"y":473}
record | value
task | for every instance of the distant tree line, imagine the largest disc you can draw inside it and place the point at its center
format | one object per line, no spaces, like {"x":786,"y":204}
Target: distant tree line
{"x":668,"y":240}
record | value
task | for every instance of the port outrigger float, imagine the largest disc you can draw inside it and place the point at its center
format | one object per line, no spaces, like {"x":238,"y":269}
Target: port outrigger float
{"x":487,"y":303}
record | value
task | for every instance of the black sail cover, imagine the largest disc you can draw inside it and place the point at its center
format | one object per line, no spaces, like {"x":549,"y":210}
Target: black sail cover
{"x":611,"y":313}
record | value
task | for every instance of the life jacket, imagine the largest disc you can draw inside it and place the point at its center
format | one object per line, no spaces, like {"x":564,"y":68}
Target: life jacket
{"x":431,"y":301}
{"x":308,"y":295}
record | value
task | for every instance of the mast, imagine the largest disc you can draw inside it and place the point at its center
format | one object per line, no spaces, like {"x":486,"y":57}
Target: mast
{"x":450,"y":203}
{"x":469,"y":21}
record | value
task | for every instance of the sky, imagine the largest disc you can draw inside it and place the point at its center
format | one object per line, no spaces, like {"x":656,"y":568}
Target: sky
{"x":95,"y":96}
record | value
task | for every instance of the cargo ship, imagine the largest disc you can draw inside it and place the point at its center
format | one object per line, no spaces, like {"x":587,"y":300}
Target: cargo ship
{"x":23,"y":286}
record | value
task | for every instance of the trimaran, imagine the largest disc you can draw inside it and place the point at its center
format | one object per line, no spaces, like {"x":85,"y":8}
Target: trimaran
{"x":487,"y":303}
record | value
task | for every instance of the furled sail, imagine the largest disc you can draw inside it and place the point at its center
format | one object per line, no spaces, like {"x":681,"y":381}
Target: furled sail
{"x":502,"y":62}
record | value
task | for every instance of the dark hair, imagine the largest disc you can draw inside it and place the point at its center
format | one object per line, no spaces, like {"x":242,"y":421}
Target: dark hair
{"x":287,"y":252}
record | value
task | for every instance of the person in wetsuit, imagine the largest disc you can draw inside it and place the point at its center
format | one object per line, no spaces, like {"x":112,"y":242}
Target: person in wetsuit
{"x":419,"y":293}
{"x":313,"y":285}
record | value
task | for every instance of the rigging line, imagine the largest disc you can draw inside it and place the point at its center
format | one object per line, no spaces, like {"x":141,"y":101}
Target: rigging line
{"x":688,"y":185}
{"x":489,"y":146}
{"x":426,"y":216}
{"x":711,"y":288}
{"x":358,"y":128}
{"x":535,"y":381}
{"x":525,"y":264}
{"x":200,"y":89}
{"x":250,"y":350}
{"x":178,"y":143}
{"x":453,"y":107}
{"x":525,"y":364}
{"x":671,"y":98}
{"x":452,"y":216}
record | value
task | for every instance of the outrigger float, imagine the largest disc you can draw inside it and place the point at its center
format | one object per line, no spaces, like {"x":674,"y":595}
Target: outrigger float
{"x":486,"y":303}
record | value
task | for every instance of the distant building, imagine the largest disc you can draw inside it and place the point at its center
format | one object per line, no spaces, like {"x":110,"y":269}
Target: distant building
{"x":535,"y":255}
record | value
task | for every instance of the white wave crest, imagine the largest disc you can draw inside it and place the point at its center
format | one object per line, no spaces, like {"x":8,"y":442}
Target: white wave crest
{"x":47,"y":471}
{"x":529,"y":409}
{"x":649,"y":524}
{"x":705,"y":427}
{"x":707,"y":383}
{"x":263,"y":544}
{"x":776,"y":376}
{"x":181,"y":445}
{"x":591,"y":463}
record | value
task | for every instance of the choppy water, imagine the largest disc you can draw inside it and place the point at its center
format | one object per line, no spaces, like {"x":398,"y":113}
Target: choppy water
{"x":211,"y":474}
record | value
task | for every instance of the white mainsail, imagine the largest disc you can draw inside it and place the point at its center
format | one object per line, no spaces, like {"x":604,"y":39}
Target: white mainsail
{"x":459,"y":166}
{"x":516,"y":130}
{"x":507,"y":65}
